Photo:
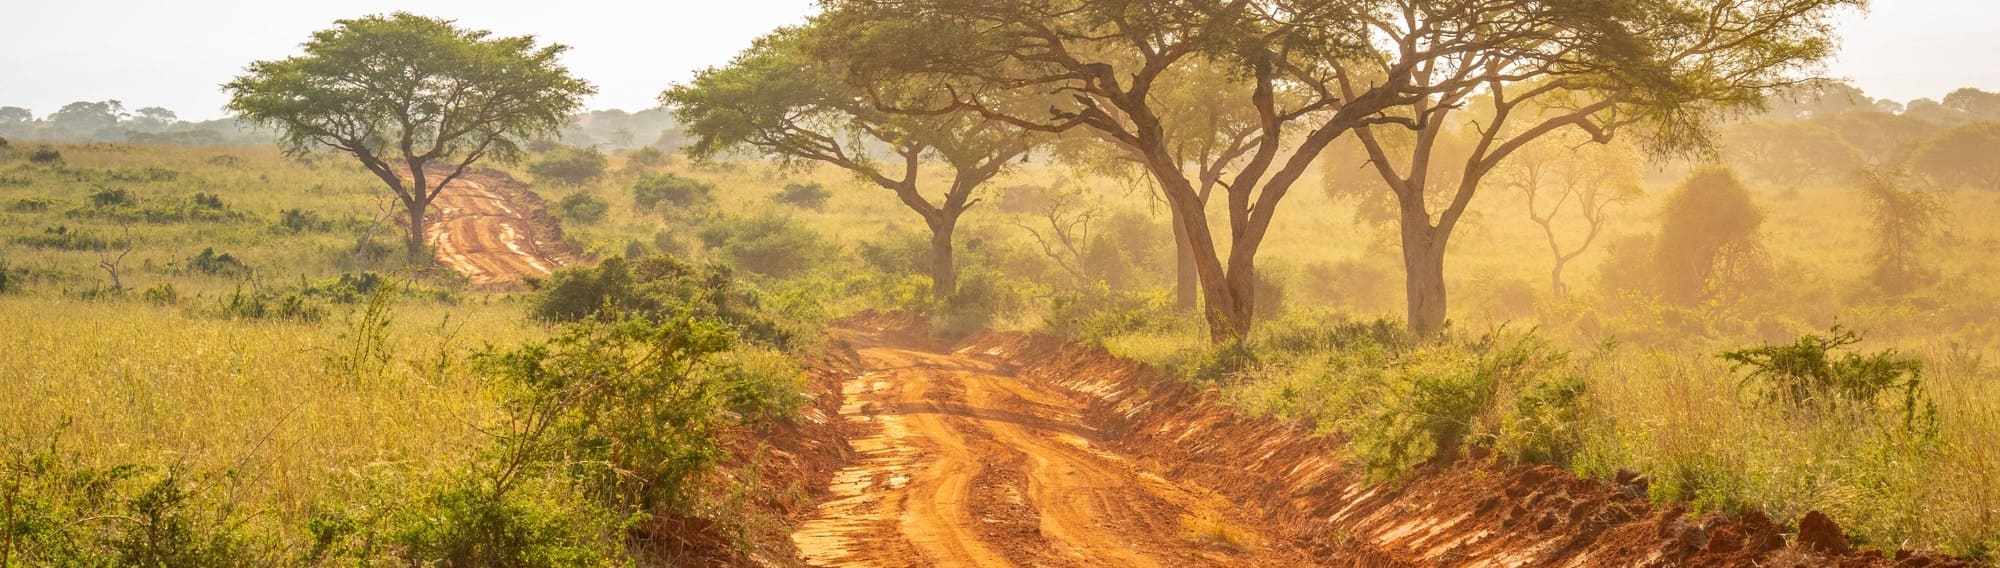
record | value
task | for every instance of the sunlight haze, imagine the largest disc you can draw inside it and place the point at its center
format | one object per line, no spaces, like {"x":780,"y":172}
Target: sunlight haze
{"x":174,"y":54}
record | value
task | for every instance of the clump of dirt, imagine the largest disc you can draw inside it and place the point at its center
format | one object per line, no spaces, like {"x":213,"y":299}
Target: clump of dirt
{"x":1478,"y":511}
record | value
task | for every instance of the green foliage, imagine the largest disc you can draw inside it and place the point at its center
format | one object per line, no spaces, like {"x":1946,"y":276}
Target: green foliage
{"x":1098,"y":313}
{"x":62,"y":510}
{"x":31,"y":205}
{"x":45,"y":156}
{"x":809,"y":196}
{"x":630,"y":409}
{"x":767,"y":244}
{"x":1820,"y":374}
{"x":654,"y":191}
{"x":255,"y":304}
{"x":213,"y":264}
{"x":468,"y":524}
{"x":582,"y":208}
{"x":163,"y":294}
{"x":1436,"y":399}
{"x":658,"y":287}
{"x":1548,"y":422}
{"x":61,"y":237}
{"x":296,"y":221}
{"x":569,"y":166}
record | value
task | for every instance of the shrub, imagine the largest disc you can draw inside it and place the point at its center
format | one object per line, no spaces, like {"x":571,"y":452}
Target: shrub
{"x":1808,"y":376}
{"x":31,"y":205}
{"x":582,"y":208}
{"x":111,"y":197}
{"x":1709,"y":238}
{"x":45,"y":156}
{"x":1435,"y":400}
{"x":469,"y":524}
{"x":803,"y":195}
{"x":646,"y":157}
{"x":208,"y":201}
{"x":62,"y":237}
{"x":63,"y":510}
{"x":769,"y":245}
{"x":569,"y":166}
{"x":652,"y":191}
{"x":297,"y":221}
{"x":263,"y":305}
{"x":163,"y":294}
{"x":1547,"y":425}
{"x":657,"y":287}
{"x":216,"y":264}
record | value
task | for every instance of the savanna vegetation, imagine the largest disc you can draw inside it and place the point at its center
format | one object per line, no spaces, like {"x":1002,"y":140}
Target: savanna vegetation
{"x":1582,"y":239}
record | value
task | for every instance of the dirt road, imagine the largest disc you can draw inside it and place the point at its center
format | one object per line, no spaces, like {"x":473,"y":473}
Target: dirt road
{"x":962,"y":464}
{"x":482,"y":233}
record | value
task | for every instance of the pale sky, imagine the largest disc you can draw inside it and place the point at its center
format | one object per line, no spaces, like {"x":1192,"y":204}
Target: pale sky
{"x":175,"y":54}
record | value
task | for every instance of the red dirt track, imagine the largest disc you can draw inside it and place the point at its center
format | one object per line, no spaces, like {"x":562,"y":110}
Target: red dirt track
{"x":1020,"y":450}
{"x":495,"y":232}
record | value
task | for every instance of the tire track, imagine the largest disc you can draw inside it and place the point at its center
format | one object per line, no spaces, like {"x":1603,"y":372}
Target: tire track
{"x":477,"y":233}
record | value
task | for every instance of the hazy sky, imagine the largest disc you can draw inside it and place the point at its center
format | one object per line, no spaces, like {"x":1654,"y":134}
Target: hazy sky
{"x":174,"y":54}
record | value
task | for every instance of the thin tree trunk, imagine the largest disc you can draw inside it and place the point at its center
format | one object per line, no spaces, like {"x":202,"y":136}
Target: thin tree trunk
{"x":416,"y":241}
{"x":944,"y":273}
{"x":1423,"y":282}
{"x":1186,"y":282}
{"x":1556,"y":279}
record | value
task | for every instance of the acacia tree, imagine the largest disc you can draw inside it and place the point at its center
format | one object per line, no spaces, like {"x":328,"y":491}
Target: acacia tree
{"x":1557,"y":175}
{"x":1106,"y":62}
{"x":788,"y":103}
{"x":404,"y":93}
{"x":1665,"y":69}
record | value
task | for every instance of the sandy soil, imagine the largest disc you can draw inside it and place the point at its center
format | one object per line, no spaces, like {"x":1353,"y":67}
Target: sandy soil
{"x":960,"y":463}
{"x":481,"y":229}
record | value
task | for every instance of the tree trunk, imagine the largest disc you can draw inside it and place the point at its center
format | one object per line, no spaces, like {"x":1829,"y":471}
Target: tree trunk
{"x":1186,"y":282}
{"x":416,"y":241}
{"x":1423,"y":278}
{"x":944,"y":273}
{"x":1556,"y":279}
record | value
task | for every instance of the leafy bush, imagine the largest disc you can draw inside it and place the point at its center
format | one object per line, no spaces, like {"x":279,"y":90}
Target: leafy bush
{"x":1433,"y":401}
{"x":803,"y":195}
{"x":657,"y":287}
{"x":1808,"y":376}
{"x":653,"y":191}
{"x":63,"y":510}
{"x":61,"y":237}
{"x":297,"y":221}
{"x":163,"y":294}
{"x":111,"y":197}
{"x":767,"y":244}
{"x":646,"y":157}
{"x":1547,"y":425}
{"x":569,"y":166}
{"x":631,"y":408}
{"x":45,"y":156}
{"x":470,"y":524}
{"x":263,"y":305}
{"x":582,"y":208}
{"x":211,"y":263}
{"x":31,"y":205}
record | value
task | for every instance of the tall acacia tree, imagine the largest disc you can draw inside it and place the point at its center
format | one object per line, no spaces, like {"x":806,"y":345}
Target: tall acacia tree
{"x":1106,"y":62}
{"x":412,"y":96}
{"x":1665,"y":69}
{"x":786,"y":102}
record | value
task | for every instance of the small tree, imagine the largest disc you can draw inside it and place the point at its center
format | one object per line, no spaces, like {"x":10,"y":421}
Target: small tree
{"x":1710,"y":233}
{"x":403,"y":92}
{"x":783,"y":100}
{"x":1903,"y":219}
{"x":1588,"y":181}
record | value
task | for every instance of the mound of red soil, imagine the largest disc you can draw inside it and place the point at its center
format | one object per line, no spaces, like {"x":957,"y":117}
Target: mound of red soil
{"x":1478,"y":511}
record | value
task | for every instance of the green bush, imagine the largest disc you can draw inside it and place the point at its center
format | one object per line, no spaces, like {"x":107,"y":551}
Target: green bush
{"x":267,"y":305}
{"x":809,"y":196}
{"x":538,"y":525}
{"x":63,"y":510}
{"x":61,"y":237}
{"x":163,"y":294}
{"x":111,"y":197}
{"x":297,"y":221}
{"x":582,"y":208}
{"x":1436,"y":400}
{"x":658,"y":287}
{"x":769,"y":245}
{"x":569,"y":166}
{"x":1548,"y":422}
{"x":45,"y":156}
{"x":31,"y":205}
{"x":1820,"y":374}
{"x":211,"y":263}
{"x":654,"y":191}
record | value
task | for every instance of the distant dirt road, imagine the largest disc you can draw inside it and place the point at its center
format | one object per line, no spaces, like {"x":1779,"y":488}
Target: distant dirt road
{"x":962,"y":464}
{"x":482,"y":233}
